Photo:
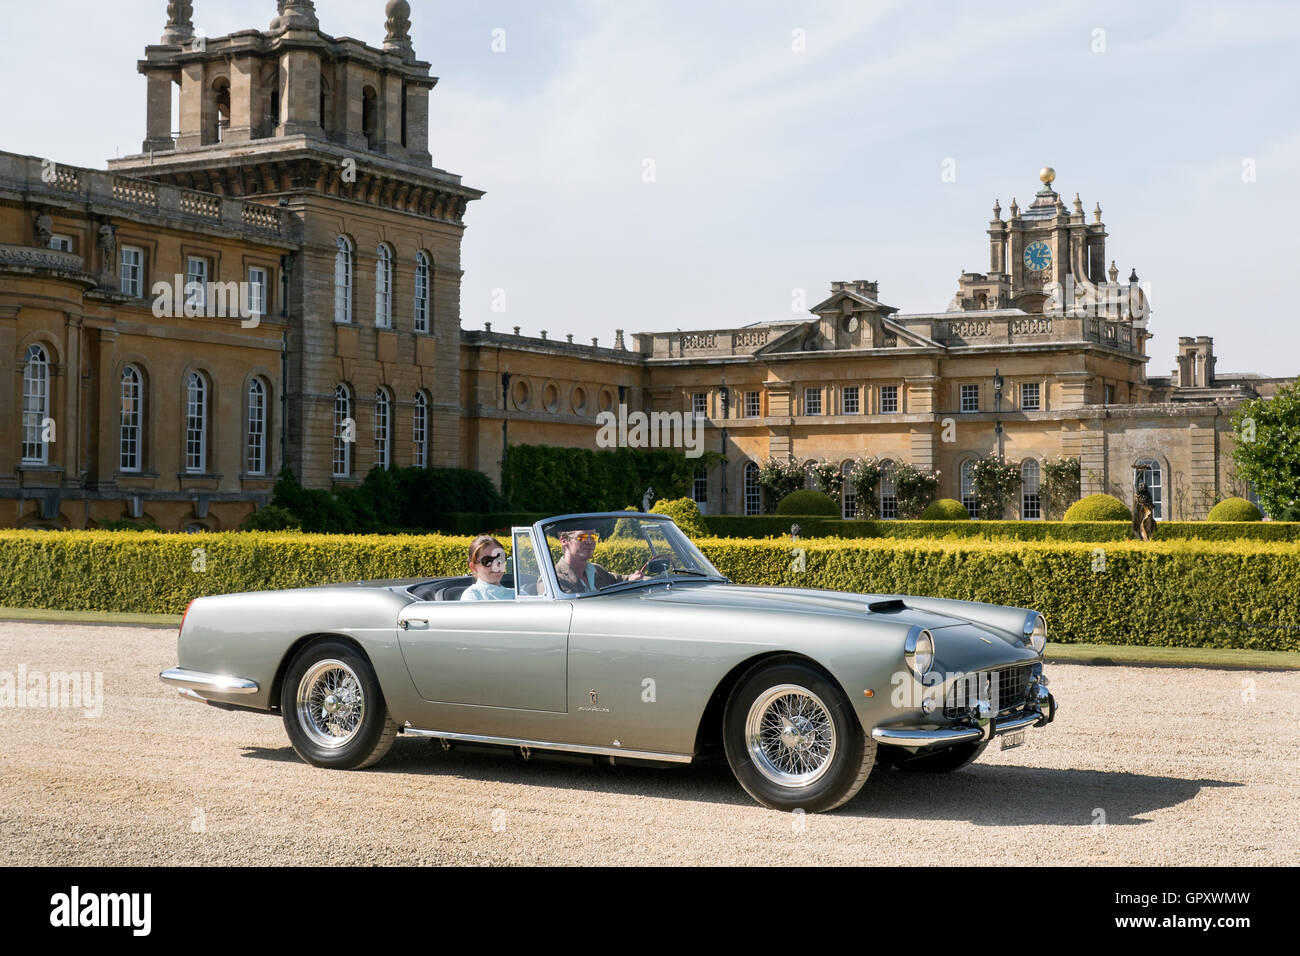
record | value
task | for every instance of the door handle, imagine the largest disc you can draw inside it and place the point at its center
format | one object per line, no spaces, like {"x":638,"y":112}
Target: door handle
{"x":406,"y":622}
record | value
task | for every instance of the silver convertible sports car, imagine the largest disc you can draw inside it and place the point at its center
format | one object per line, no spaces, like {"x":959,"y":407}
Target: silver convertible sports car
{"x":618,"y":639}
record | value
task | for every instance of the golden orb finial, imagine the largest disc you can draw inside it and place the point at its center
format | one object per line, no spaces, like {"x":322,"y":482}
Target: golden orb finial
{"x":1047,"y":174}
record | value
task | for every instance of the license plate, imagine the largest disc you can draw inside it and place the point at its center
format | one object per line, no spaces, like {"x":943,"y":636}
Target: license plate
{"x":1012,"y":740}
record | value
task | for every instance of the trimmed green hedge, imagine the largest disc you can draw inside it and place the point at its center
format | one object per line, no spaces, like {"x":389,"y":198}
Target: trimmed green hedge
{"x":1235,"y":509}
{"x":817,"y":526}
{"x":1170,"y":593}
{"x":1099,"y":508}
{"x":805,"y":502}
{"x":945,"y":509}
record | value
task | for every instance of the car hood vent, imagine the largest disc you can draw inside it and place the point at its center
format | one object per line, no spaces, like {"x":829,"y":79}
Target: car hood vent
{"x":886,"y":607}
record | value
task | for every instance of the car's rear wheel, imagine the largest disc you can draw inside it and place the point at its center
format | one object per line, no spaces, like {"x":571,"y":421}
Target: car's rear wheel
{"x":793,"y":740}
{"x":939,"y":761}
{"x":333,"y":708}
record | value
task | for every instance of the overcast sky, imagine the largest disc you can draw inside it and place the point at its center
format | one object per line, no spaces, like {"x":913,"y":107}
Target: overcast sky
{"x":792,"y":144}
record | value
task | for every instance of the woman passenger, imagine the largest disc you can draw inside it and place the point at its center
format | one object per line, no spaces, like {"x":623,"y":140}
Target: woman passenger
{"x":487,"y":564}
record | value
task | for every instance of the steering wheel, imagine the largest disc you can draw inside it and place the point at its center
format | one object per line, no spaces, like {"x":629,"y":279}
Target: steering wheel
{"x":664,"y":560}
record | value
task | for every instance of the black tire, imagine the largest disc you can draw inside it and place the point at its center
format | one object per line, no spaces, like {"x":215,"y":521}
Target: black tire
{"x":938,"y":761}
{"x":361,"y":709}
{"x":838,"y":773}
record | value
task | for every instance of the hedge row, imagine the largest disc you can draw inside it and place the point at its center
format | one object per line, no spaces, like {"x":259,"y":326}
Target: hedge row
{"x":1174,"y":593}
{"x":818,"y":526}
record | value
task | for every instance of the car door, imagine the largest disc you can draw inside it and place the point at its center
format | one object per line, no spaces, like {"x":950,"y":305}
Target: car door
{"x":501,"y":654}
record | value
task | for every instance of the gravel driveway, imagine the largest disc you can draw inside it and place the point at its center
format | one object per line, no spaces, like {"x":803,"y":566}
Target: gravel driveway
{"x":1144,"y":765}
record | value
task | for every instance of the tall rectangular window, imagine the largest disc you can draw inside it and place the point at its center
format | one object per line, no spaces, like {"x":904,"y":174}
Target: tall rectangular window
{"x":421,"y":292}
{"x":1030,"y":396}
{"x":382,"y":411}
{"x":256,"y":291}
{"x":700,"y":403}
{"x":61,"y":243}
{"x":36,"y":405}
{"x":970,"y":398}
{"x":700,"y":487}
{"x":255,"y":461}
{"x":196,"y":425}
{"x":132,"y":271}
{"x":752,"y":407}
{"x":851,"y":400}
{"x":888,"y":399}
{"x":812,"y":401}
{"x":196,"y":282}
{"x":129,"y":438}
{"x":420,"y":431}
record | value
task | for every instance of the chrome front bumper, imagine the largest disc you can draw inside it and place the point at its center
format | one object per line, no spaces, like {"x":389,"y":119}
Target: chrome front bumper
{"x":983,"y":728}
{"x":193,"y":684}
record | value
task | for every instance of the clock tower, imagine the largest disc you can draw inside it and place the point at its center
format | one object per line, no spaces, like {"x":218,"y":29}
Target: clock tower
{"x":1037,"y":254}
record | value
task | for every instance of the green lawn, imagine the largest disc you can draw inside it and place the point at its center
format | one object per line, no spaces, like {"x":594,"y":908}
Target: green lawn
{"x":1175,"y":656}
{"x":89,"y":617}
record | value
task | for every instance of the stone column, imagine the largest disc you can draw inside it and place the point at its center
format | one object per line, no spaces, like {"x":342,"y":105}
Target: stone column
{"x":158,"y":122}
{"x":198,"y":110}
{"x":417,"y":123}
{"x":246,"y":99}
{"x":10,"y":381}
{"x":106,"y":422}
{"x":68,"y":427}
{"x":300,"y":96}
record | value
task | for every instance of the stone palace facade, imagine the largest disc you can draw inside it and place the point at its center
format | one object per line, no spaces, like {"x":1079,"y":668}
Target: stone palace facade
{"x":275,"y":280}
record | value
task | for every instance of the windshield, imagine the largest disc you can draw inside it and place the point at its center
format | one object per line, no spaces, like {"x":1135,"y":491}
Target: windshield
{"x":594,"y":554}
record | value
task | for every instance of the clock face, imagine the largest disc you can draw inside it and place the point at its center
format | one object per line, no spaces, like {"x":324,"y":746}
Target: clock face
{"x":1038,"y":256}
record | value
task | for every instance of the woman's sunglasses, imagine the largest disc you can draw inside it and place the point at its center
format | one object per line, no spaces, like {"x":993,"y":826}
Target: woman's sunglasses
{"x":498,"y":558}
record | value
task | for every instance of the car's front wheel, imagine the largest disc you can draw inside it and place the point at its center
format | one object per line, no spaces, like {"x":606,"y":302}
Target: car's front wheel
{"x":793,"y":740}
{"x":333,"y":708}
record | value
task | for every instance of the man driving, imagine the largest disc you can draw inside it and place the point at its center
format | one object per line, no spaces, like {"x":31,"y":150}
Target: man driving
{"x":576,"y":571}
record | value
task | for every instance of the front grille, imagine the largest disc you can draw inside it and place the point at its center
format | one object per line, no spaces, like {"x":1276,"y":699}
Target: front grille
{"x":1005,"y":690}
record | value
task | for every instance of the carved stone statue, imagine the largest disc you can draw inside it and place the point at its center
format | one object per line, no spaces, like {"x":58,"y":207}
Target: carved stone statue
{"x":44,"y":230}
{"x":646,"y":498}
{"x":1144,"y":511}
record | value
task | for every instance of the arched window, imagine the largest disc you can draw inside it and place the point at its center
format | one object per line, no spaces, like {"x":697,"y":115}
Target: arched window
{"x":850,"y":503}
{"x":255,"y":457}
{"x":36,"y":405}
{"x":810,"y":475}
{"x":196,"y":424}
{"x":383,"y":287}
{"x":1149,"y":470}
{"x":132,"y":411}
{"x":421,"y":292}
{"x":383,"y":416}
{"x":344,"y":432}
{"x":1031,"y":505}
{"x":968,"y":498}
{"x":888,"y":493}
{"x":343,"y":280}
{"x":420,"y":431}
{"x":753,"y":492}
{"x":370,"y":116}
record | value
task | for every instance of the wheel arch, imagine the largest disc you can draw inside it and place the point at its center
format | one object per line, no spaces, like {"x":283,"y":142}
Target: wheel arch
{"x":708,"y":735}
{"x":296,"y":647}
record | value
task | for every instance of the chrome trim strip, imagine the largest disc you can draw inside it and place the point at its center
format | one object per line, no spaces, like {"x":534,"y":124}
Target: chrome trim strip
{"x":211,"y":683}
{"x":188,"y":694}
{"x":546,"y":745}
{"x":904,"y":737}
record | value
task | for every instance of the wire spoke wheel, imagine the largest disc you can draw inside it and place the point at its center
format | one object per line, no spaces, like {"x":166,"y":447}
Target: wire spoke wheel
{"x":330,"y":703}
{"x":790,"y":736}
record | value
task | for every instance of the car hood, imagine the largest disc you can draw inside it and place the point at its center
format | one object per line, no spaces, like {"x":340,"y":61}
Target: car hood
{"x":932,"y":613}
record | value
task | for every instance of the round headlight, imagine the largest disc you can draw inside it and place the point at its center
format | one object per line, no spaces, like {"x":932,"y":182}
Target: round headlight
{"x":1036,"y":631}
{"x":919,"y":651}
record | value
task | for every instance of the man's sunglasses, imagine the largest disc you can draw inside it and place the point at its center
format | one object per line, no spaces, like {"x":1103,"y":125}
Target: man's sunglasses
{"x":583,"y":536}
{"x":498,"y":558}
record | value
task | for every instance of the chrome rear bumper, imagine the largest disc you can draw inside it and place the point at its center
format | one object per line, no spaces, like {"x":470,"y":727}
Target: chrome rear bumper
{"x":197,"y":682}
{"x":985,"y":729}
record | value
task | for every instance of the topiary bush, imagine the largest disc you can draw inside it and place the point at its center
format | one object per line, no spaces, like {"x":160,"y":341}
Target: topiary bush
{"x":807,"y":503}
{"x":685,"y":513}
{"x":1235,"y":509}
{"x":1099,"y":508}
{"x":945,"y":509}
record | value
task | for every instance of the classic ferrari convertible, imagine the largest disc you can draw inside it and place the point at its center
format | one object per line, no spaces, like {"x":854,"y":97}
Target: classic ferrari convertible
{"x":623,"y":642}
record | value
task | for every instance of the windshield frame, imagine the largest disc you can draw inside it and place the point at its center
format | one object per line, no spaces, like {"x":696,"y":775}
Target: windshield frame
{"x":539,"y":537}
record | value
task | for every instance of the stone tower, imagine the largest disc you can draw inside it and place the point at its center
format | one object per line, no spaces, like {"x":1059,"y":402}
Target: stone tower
{"x":1048,"y":258}
{"x":338,"y":132}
